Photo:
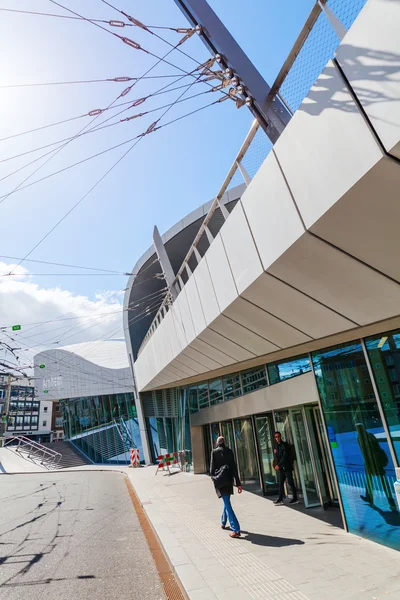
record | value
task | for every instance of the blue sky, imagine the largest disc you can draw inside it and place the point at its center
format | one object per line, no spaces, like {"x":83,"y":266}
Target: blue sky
{"x":169,"y":174}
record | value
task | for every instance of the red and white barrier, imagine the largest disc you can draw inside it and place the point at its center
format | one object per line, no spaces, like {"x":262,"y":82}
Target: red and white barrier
{"x":135,"y":457}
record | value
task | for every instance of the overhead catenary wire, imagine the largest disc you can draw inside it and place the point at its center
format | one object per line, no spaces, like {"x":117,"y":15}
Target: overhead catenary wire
{"x":144,"y":314}
{"x":143,"y":270}
{"x":136,"y":46}
{"x":47,"y":262}
{"x":153,"y":303}
{"x":43,"y":14}
{"x":84,"y":81}
{"x":127,"y":90}
{"x":101,"y":127}
{"x":138,"y":137}
{"x":89,"y":114}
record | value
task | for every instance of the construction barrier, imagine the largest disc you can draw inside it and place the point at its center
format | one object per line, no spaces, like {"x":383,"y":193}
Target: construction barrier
{"x":166,"y":460}
{"x":135,"y":457}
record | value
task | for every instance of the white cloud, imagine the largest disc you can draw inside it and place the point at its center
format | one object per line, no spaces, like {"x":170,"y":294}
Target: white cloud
{"x":70,"y":318}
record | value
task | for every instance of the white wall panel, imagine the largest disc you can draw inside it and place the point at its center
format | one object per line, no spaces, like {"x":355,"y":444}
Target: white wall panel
{"x":220,"y":272}
{"x":225,"y":344}
{"x":216,"y":354}
{"x":181,"y":305}
{"x":338,"y":281}
{"x":196,"y":309}
{"x":272,"y":329}
{"x":326,"y":148}
{"x":193,"y":364}
{"x":177,"y":321}
{"x":365,"y":221}
{"x":206,"y":291}
{"x":271,"y":212}
{"x":240,"y":249}
{"x":295,"y":308}
{"x":203,"y":359}
{"x":250,"y":341}
{"x":370,"y":58}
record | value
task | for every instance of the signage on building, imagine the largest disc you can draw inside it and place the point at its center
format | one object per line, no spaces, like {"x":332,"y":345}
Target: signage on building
{"x":16,"y":327}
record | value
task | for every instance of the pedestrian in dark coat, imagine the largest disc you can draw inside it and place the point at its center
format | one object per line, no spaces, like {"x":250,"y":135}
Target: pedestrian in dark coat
{"x":224,"y":471}
{"x":283,"y":464}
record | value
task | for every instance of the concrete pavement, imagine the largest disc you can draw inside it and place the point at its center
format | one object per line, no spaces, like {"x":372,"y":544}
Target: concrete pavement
{"x":71,"y":536}
{"x":284,"y":554}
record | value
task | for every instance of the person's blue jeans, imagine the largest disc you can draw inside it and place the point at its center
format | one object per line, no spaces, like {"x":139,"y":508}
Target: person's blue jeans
{"x":228,"y":513}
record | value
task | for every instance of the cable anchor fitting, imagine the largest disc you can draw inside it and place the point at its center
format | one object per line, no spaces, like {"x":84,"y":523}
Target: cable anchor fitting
{"x":189,"y":33}
{"x":136,"y":22}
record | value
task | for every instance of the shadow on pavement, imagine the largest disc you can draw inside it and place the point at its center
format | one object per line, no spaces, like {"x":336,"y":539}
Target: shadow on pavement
{"x":270,"y":540}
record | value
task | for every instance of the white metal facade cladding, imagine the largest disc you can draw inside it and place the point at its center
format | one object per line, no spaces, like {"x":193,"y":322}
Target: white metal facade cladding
{"x":310,"y":252}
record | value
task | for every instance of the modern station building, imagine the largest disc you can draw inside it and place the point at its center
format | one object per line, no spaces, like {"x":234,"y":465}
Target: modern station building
{"x":93,"y":385}
{"x":283,"y":308}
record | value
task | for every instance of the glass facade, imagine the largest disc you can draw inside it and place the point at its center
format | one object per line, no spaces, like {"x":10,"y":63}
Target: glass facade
{"x":104,"y":427}
{"x":345,"y":449}
{"x":359,"y":445}
{"x":384,"y":355}
{"x":167,"y":417}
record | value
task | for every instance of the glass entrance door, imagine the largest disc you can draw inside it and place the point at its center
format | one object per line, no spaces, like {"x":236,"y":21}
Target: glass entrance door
{"x":227,"y":433}
{"x":306,"y":467}
{"x":265,"y":432}
{"x":325,"y":469}
{"x":207,"y":446}
{"x":246,"y":454}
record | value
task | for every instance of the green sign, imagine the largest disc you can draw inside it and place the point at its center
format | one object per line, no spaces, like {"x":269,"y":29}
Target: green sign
{"x":4,"y":418}
{"x":45,"y":391}
{"x":16,"y":327}
{"x":42,"y":366}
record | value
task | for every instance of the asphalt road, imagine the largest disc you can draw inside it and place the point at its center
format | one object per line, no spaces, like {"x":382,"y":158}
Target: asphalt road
{"x":70,"y":536}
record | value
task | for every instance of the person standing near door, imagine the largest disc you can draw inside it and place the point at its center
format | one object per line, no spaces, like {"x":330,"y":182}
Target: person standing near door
{"x":224,"y":472}
{"x":283,"y":464}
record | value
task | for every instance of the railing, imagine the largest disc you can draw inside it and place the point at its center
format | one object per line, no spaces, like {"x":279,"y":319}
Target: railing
{"x":314,"y":47}
{"x":50,"y":459}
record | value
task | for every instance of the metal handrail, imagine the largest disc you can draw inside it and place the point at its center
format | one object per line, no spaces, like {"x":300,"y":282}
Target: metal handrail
{"x":216,"y":203}
{"x":35,"y":448}
{"x":318,"y":8}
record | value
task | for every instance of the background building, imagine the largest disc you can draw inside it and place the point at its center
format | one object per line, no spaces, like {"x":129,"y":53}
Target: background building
{"x":93,"y":386}
{"x":27,"y":416}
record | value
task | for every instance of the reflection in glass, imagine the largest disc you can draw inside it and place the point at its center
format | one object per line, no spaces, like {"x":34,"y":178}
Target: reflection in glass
{"x":215,"y":388}
{"x":232,"y":386}
{"x":358,"y":443}
{"x":305,"y":466}
{"x":384,"y":354}
{"x":202,"y":391}
{"x":278,"y":372}
{"x":207,"y":446}
{"x":193,"y":402}
{"x":246,"y":453}
{"x":265,"y":432}
{"x":215,"y":433}
{"x":254,"y":379}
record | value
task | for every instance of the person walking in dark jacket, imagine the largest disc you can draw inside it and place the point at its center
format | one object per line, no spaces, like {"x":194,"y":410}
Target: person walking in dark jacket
{"x":283,"y":464}
{"x":224,"y":472}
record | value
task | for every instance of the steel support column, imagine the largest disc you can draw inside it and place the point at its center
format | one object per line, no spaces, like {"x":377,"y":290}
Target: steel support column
{"x":269,"y":112}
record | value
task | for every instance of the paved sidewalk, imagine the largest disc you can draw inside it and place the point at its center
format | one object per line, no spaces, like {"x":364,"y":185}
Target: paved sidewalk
{"x":284,"y":555}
